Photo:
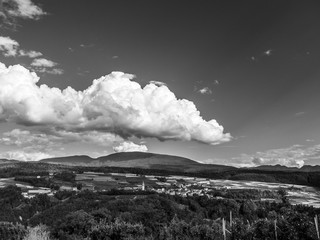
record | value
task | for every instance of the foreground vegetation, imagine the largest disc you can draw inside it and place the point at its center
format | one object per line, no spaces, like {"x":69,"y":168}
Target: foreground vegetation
{"x":119,"y":214}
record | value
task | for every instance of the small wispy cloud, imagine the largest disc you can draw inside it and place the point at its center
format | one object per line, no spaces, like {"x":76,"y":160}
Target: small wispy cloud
{"x":34,"y":142}
{"x":130,"y":147}
{"x":297,"y":114}
{"x":30,"y":54}
{"x":54,"y":71}
{"x":24,"y":9}
{"x":42,"y":62}
{"x":268,"y":52}
{"x":293,"y":156}
{"x":205,"y":90}
{"x":24,"y":155}
{"x":11,"y":10}
{"x":86,"y":45}
{"x":44,"y":65}
{"x":8,"y":46}
{"x":158,"y":83}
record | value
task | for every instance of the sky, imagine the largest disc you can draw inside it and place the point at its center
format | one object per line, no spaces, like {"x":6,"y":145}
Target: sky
{"x":220,"y":82}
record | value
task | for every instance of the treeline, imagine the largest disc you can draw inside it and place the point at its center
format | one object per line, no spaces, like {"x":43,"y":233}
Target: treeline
{"x":253,"y":194}
{"x":146,"y":215}
{"x":300,"y":178}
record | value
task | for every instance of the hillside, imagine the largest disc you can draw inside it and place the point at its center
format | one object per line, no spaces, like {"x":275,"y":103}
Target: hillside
{"x":70,"y":160}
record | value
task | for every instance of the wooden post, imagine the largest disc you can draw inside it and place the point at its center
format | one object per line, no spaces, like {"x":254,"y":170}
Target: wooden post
{"x":224,"y":229}
{"x":317,"y":225}
{"x":275,"y":229}
{"x":230,"y":219}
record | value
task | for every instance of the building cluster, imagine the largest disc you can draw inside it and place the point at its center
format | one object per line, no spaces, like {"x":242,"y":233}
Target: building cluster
{"x":183,"y":186}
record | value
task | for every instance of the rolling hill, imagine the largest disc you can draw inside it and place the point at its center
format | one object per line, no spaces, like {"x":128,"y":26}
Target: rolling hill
{"x":139,"y":160}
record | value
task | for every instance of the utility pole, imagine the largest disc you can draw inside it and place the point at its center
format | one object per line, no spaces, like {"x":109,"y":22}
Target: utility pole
{"x":275,"y":229}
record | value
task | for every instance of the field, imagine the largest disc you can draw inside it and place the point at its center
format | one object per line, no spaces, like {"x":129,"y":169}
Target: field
{"x":297,"y":194}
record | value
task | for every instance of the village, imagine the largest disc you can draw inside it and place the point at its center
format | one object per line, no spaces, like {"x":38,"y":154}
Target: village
{"x":94,"y":181}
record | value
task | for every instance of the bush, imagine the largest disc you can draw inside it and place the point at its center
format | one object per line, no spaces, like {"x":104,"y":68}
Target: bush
{"x":117,"y":230}
{"x":39,"y":232}
{"x":10,"y":231}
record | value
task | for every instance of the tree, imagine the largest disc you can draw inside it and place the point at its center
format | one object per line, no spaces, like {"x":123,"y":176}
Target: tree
{"x":264,"y":229}
{"x":76,"y":223}
{"x":102,"y":214}
{"x":283,"y":195}
{"x":11,"y":194}
{"x":41,"y":202}
{"x":79,"y":186}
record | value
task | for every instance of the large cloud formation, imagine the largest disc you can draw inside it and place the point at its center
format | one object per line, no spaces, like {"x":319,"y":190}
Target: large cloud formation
{"x":113,"y":103}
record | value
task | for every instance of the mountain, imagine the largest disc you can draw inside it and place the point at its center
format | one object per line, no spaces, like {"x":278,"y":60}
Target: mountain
{"x":70,"y":160}
{"x":281,"y":168}
{"x":309,"y":168}
{"x":277,"y":167}
{"x":7,"y":161}
{"x":139,"y":160}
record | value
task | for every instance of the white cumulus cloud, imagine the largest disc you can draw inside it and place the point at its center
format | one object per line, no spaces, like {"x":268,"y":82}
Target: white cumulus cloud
{"x":113,"y":103}
{"x":130,"y":147}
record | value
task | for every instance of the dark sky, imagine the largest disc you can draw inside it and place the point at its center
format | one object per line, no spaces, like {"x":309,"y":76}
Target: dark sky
{"x":257,"y":63}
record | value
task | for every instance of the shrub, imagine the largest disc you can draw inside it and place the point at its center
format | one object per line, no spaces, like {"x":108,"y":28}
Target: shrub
{"x":39,"y":232}
{"x":10,"y":231}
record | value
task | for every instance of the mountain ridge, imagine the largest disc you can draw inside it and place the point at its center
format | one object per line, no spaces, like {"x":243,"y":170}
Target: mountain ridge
{"x":138,"y":160}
